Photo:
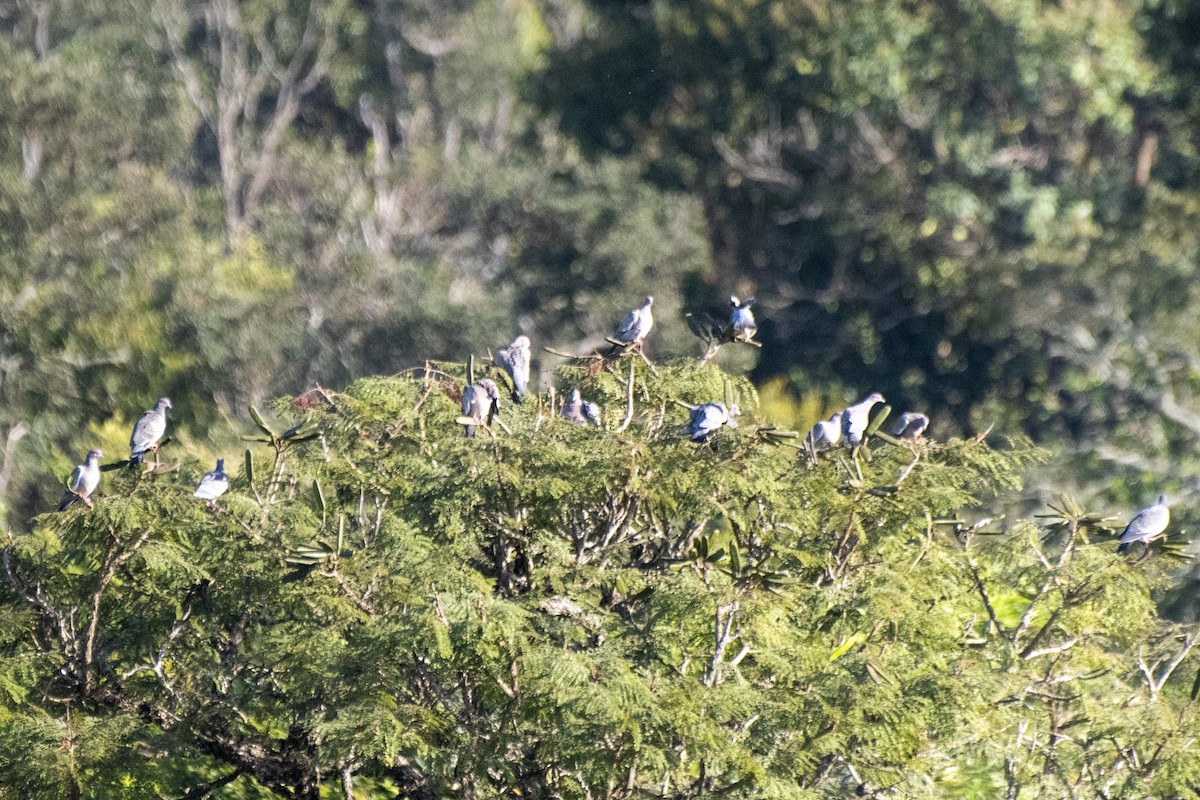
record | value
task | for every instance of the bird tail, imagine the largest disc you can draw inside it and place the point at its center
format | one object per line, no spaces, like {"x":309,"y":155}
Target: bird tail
{"x":1123,"y":547}
{"x":470,"y":431}
{"x":136,"y":458}
{"x":67,"y":499}
{"x":517,"y":396}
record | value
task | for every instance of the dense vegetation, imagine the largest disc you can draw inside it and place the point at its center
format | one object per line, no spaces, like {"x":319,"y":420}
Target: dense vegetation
{"x":987,"y":210}
{"x":385,"y":608}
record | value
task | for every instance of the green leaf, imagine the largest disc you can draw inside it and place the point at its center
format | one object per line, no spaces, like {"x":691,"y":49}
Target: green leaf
{"x":258,"y":420}
{"x":318,"y":498}
{"x":849,"y":642}
{"x":878,"y":420}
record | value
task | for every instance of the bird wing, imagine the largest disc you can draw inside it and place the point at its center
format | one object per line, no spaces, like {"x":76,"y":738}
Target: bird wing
{"x":518,"y":368}
{"x":469,"y":401}
{"x":506,"y":358}
{"x":591,"y":412}
{"x":76,"y":481}
{"x":627,"y":331}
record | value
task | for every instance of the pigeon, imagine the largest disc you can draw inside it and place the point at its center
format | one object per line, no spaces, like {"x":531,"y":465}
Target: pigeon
{"x":83,"y":480}
{"x":1146,"y":524}
{"x":213,"y":484}
{"x":591,"y":412}
{"x":826,"y":433}
{"x":636,"y":325}
{"x":148,"y":430}
{"x":911,"y":425}
{"x":856,"y":417}
{"x":515,"y":361}
{"x":742,"y":319}
{"x":480,"y":402}
{"x":581,"y":411}
{"x":707,"y":418}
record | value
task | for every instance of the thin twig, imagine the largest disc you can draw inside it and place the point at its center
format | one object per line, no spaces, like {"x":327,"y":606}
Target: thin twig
{"x":628,"y":402}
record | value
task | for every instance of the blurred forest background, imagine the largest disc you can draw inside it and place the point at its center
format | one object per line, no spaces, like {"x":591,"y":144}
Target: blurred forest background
{"x":986,"y":209}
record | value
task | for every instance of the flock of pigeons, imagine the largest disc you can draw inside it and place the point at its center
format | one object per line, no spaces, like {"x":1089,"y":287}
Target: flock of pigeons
{"x":147,"y":432}
{"x":481,"y":403}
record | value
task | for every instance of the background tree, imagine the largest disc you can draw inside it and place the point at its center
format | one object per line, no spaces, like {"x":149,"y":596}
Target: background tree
{"x":984,"y":209}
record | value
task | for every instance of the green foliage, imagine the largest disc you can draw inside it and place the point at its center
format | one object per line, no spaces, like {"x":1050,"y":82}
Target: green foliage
{"x":986,"y":210}
{"x":563,"y":610}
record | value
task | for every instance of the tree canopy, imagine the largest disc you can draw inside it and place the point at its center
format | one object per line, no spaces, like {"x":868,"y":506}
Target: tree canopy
{"x":384,"y":608}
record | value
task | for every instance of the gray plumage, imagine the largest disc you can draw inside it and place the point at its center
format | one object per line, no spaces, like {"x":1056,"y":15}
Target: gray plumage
{"x":213,"y":484}
{"x":742,"y":319}
{"x":591,"y":412}
{"x":636,"y":325}
{"x":855,"y":419}
{"x":149,"y":428}
{"x":514,"y":359}
{"x":826,"y":433}
{"x":1146,"y":525}
{"x":581,"y":411}
{"x":480,"y":402}
{"x":708,"y":418}
{"x":83,"y":481}
{"x":911,"y":425}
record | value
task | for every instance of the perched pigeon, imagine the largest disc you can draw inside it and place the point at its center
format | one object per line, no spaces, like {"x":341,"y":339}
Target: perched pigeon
{"x":591,"y":412}
{"x":148,"y":430}
{"x":707,"y":418}
{"x":636,"y":325}
{"x":83,"y":481}
{"x":826,"y":433}
{"x":480,"y":402}
{"x":742,"y":319}
{"x":911,"y":425}
{"x":856,"y":417}
{"x":515,"y":361}
{"x":213,"y":484}
{"x":581,"y":411}
{"x":1146,"y":525}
